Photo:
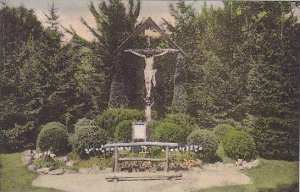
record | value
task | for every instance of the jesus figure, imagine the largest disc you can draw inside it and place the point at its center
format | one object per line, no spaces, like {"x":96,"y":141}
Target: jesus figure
{"x":149,"y":72}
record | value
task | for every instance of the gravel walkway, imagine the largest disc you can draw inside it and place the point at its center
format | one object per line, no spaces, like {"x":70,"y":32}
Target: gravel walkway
{"x":208,"y":176}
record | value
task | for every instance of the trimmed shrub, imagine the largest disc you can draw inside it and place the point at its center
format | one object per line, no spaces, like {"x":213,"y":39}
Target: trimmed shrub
{"x":88,"y":137}
{"x":83,"y":122}
{"x":221,"y":129}
{"x":21,"y":137}
{"x":169,"y":132}
{"x":109,"y":119}
{"x":207,"y":140}
{"x":239,"y":145}
{"x":123,"y":131}
{"x":187,"y":122}
{"x":53,"y":137}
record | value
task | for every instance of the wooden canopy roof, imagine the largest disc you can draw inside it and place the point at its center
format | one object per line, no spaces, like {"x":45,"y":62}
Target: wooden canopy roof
{"x":149,"y":23}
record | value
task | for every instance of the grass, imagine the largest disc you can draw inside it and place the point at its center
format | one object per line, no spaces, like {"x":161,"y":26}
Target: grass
{"x":269,"y":176}
{"x":15,"y":177}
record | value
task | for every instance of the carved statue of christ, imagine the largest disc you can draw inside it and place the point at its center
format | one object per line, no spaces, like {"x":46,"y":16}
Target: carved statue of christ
{"x":149,"y":72}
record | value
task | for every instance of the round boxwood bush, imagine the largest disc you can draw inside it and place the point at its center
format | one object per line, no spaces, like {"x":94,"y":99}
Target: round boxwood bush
{"x":221,"y":129}
{"x":207,"y":140}
{"x":187,"y":122}
{"x":109,"y":119}
{"x":89,"y":137}
{"x":83,"y":122}
{"x":53,"y":137}
{"x":123,"y":131}
{"x":239,"y":145}
{"x":169,"y":132}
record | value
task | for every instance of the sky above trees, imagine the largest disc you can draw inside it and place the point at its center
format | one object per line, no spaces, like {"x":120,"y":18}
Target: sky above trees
{"x":71,"y":11}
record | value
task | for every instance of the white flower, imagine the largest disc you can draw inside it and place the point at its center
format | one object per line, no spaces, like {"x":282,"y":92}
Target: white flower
{"x":52,"y":155}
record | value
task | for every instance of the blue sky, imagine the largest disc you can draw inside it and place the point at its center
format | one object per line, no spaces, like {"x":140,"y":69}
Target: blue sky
{"x":70,"y":11}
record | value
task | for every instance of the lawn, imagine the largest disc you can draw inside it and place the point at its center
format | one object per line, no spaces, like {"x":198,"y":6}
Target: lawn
{"x":14,"y":176}
{"x":271,"y":175}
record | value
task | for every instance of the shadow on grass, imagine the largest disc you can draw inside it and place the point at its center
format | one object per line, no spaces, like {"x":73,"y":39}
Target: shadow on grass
{"x":251,"y":188}
{"x":283,"y":188}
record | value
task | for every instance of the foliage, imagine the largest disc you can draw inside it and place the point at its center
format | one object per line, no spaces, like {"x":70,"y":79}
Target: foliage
{"x":89,"y":137}
{"x":276,"y":138}
{"x":101,"y":162}
{"x":71,"y":139}
{"x":114,"y":23}
{"x":51,"y":163}
{"x":207,"y":140}
{"x":52,"y":137}
{"x":180,"y":157}
{"x":20,"y":137}
{"x":83,"y":122}
{"x":16,"y":177}
{"x":221,"y":129}
{"x":155,"y":151}
{"x":222,"y":155}
{"x":112,"y":117}
{"x":2,"y":141}
{"x":169,"y":132}
{"x":151,"y":125}
{"x":239,"y":145}
{"x":187,"y":122}
{"x":123,"y":132}
{"x":243,"y":61}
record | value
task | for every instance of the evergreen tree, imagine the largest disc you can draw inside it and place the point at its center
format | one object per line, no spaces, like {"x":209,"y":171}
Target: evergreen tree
{"x":273,"y":79}
{"x":114,"y":24}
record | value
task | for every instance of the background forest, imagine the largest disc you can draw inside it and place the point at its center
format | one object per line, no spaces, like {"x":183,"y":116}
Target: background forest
{"x":242,"y":69}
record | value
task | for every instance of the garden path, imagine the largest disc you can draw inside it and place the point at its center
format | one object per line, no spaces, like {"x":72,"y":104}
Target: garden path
{"x":196,"y":179}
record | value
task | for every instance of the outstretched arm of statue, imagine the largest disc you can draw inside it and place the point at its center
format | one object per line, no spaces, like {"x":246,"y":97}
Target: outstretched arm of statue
{"x":167,"y":51}
{"x":162,"y":53}
{"x":131,"y":51}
